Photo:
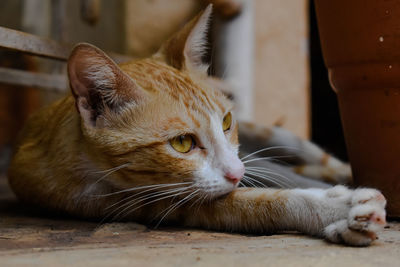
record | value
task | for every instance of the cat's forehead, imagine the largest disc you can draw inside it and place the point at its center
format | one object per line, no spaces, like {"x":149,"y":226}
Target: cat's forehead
{"x":173,"y":85}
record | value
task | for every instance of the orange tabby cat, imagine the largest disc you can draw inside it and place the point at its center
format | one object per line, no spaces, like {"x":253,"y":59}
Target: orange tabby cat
{"x":152,"y":141}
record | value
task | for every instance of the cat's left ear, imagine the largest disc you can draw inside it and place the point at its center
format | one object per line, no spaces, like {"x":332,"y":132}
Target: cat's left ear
{"x":185,"y":49}
{"x":98,"y":84}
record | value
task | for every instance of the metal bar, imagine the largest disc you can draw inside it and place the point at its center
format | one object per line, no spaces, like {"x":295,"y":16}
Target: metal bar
{"x":32,"y":44}
{"x":52,"y":82}
{"x":43,"y":47}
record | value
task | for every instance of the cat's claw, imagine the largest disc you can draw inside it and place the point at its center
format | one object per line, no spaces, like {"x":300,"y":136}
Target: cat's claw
{"x":365,"y":218}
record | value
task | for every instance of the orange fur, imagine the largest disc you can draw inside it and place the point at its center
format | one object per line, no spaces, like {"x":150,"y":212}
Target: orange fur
{"x":104,"y":152}
{"x":59,"y":156}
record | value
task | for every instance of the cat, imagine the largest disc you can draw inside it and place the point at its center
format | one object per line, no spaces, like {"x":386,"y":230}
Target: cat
{"x":152,"y":141}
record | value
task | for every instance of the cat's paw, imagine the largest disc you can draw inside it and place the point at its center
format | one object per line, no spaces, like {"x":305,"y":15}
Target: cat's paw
{"x":366,"y":216}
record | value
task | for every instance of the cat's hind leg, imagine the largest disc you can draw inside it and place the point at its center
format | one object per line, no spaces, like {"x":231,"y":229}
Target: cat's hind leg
{"x":305,"y":158}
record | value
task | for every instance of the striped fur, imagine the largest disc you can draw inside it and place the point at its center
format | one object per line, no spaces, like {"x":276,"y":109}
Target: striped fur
{"x":103,"y":152}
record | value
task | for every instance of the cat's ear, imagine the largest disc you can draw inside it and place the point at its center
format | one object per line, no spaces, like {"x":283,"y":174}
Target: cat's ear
{"x":98,"y":84}
{"x":186,"y":48}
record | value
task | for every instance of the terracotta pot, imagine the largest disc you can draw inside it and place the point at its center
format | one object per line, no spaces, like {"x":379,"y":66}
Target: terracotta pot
{"x":361,"y":48}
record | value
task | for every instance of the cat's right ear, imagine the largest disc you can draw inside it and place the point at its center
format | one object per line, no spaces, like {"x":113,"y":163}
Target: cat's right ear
{"x":98,"y":84}
{"x":185,"y":49}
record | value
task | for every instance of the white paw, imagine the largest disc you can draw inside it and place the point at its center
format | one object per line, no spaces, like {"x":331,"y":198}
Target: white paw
{"x":341,"y":192}
{"x":365,"y":217}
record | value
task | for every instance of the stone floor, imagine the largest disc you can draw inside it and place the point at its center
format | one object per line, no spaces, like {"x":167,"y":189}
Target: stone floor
{"x":30,"y":238}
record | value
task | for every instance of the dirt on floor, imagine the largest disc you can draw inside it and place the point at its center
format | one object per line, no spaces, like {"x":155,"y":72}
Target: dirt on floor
{"x":31,"y":238}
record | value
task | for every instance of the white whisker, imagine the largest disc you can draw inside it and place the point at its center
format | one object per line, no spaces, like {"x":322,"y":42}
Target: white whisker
{"x":196,"y":201}
{"x":268,"y":149}
{"x":141,"y":187}
{"x":268,"y":158}
{"x":249,"y":180}
{"x":268,"y":171}
{"x":274,"y":182}
{"x":203,"y":198}
{"x":175,"y":206}
{"x":112,"y":169}
{"x":151,"y":194}
{"x":269,"y":178}
{"x":131,"y":201}
{"x":109,"y":172}
{"x":147,"y":203}
{"x":253,"y":181}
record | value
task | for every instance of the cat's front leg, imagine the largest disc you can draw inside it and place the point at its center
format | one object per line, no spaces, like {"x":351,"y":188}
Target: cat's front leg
{"x":348,"y":216}
{"x":338,"y":214}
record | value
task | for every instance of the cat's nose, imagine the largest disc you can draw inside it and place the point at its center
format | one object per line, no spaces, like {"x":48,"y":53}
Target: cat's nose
{"x":234,"y":175}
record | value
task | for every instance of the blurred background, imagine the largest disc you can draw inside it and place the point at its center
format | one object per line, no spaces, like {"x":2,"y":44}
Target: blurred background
{"x":267,"y":50}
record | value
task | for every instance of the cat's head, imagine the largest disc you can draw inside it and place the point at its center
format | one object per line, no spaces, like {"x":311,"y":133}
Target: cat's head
{"x":158,"y":118}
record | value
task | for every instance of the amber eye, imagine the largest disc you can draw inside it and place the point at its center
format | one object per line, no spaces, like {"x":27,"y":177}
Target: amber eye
{"x":226,"y":122}
{"x":182,"y":143}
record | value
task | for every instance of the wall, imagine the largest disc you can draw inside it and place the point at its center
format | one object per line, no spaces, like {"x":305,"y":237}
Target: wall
{"x":281,"y":91}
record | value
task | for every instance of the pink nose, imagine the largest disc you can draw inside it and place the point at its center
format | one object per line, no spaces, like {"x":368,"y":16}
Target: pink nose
{"x":235,"y":175}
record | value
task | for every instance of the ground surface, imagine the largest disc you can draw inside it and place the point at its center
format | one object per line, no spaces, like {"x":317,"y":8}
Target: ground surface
{"x":28,"y":238}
